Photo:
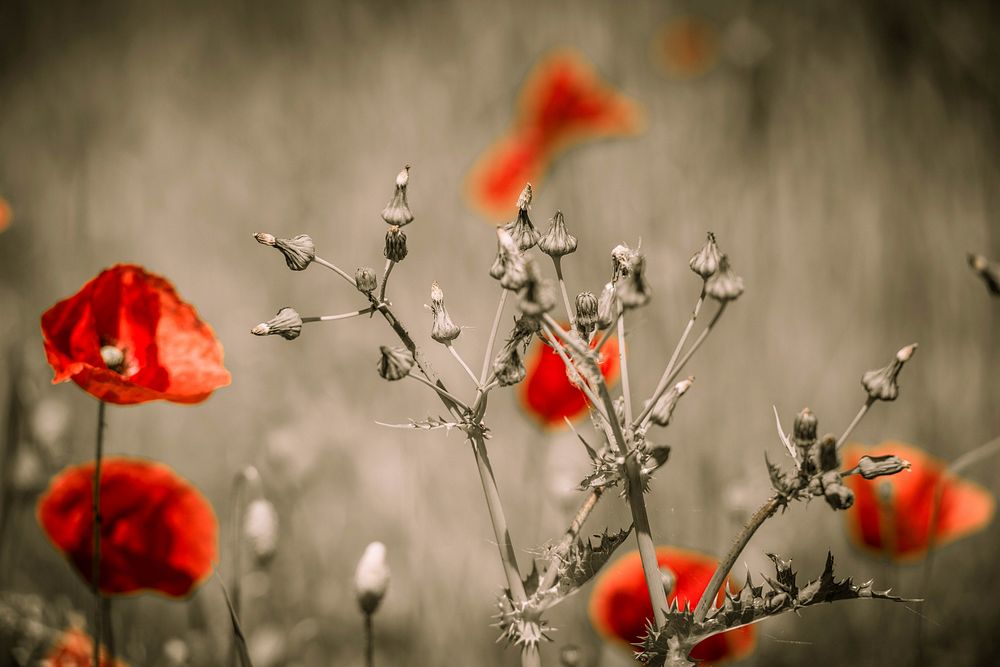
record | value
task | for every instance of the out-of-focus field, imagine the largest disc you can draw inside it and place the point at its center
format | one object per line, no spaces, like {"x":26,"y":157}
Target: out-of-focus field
{"x":846,"y":174}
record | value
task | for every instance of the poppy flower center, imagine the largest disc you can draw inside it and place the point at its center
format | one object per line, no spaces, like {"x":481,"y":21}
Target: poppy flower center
{"x":114,"y":358}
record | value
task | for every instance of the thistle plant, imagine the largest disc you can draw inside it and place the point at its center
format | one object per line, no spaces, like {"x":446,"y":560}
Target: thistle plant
{"x":625,"y":448}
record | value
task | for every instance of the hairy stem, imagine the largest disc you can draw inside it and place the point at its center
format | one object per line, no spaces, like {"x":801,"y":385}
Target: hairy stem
{"x":742,"y":538}
{"x":857,"y":419}
{"x":95,"y":565}
{"x":588,"y":505}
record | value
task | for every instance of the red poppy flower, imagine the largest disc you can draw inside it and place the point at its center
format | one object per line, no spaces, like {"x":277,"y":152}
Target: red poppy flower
{"x":165,"y":351}
{"x":562,"y":102}
{"x":547,"y":393}
{"x":74,"y":648}
{"x":687,"y":47}
{"x":5,"y":214}
{"x":620,"y":606}
{"x":891,"y":515}
{"x":158,"y":532}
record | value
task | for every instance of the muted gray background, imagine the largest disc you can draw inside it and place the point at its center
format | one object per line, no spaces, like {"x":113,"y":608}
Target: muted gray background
{"x":846,"y":174}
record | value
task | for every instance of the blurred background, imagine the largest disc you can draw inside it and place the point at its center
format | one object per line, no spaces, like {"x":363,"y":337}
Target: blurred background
{"x":843,"y":153}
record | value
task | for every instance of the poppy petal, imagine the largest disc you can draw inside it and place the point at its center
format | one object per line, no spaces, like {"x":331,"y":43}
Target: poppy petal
{"x":74,"y":648}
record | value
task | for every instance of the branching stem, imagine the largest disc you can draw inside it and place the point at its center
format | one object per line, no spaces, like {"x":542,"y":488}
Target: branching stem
{"x":857,"y":419}
{"x":335,"y":268}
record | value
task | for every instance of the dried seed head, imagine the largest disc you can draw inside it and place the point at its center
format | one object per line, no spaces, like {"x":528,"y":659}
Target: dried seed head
{"x":371,"y":579}
{"x":557,"y":241}
{"x":871,"y":467}
{"x":586,"y":313}
{"x":629,"y":277}
{"x":260,"y":526}
{"x":838,"y":496}
{"x":113,"y":357}
{"x":664,"y":408}
{"x":724,"y":285}
{"x":828,"y":458}
{"x":509,"y":266}
{"x":538,"y":295}
{"x":706,"y":261}
{"x":988,"y":271}
{"x":443,"y":330}
{"x":524,"y":199}
{"x":366,"y":279}
{"x":299,"y":251}
{"x":805,"y":428}
{"x":397,"y":211}
{"x":287,"y":324}
{"x":508,"y":366}
{"x":607,"y":307}
{"x":882,"y":384}
{"x":395,"y":245}
{"x":522,"y":231}
{"x":395,"y":362}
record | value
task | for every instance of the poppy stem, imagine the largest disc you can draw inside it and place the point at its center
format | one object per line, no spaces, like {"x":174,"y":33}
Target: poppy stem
{"x":369,"y":641}
{"x":385,"y":279}
{"x":707,"y":600}
{"x":246,"y":476}
{"x":336,"y":269}
{"x":461,"y":362}
{"x":557,"y":260}
{"x":95,"y":572}
{"x":857,"y":419}
{"x":589,"y":503}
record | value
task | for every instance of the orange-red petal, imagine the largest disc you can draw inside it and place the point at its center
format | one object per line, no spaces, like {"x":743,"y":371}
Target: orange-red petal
{"x":687,"y":46}
{"x":74,"y":648}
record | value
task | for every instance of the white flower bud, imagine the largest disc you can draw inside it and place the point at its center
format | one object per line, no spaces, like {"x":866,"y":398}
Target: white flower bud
{"x":371,"y":579}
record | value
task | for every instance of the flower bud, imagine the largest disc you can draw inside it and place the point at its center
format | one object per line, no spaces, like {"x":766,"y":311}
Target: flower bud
{"x":395,"y":245}
{"x":299,"y":251}
{"x":508,"y":365}
{"x":828,"y":458}
{"x":395,"y":362}
{"x":443,"y":330}
{"x":706,"y":261}
{"x":988,"y":271}
{"x":607,"y":307}
{"x":724,"y":285}
{"x":397,"y":211}
{"x":509,"y":266}
{"x":371,"y":579}
{"x":838,"y":496}
{"x":520,"y":229}
{"x":557,"y":241}
{"x":366,"y":279}
{"x":871,"y":467}
{"x":882,"y":383}
{"x":664,"y":408}
{"x":586,"y":313}
{"x":629,"y":277}
{"x":287,"y":324}
{"x":260,"y":526}
{"x":805,"y":428}
{"x":538,"y":295}
{"x":113,"y":358}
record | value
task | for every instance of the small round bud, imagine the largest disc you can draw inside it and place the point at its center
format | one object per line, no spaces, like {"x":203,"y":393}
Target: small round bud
{"x":724,"y":285}
{"x":557,"y":241}
{"x":113,"y":358}
{"x":397,"y":211}
{"x":443,"y":329}
{"x":260,"y":526}
{"x":706,"y":261}
{"x":664,"y":408}
{"x":586,"y":312}
{"x":366,"y":279}
{"x":882,"y":384}
{"x":371,"y":578}
{"x":395,"y":244}
{"x":287,"y":324}
{"x":538,"y":295}
{"x":299,"y":251}
{"x":871,"y":467}
{"x":607,"y":307}
{"x":828,"y":457}
{"x":805,"y":427}
{"x":395,"y":363}
{"x":520,"y":229}
{"x":508,"y":365}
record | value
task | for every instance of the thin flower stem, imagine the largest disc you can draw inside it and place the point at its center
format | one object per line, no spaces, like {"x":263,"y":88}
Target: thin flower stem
{"x":369,"y":641}
{"x":588,"y":505}
{"x":609,"y":333}
{"x":488,"y":355}
{"x":237,"y":498}
{"x":461,"y":361}
{"x":561,"y":351}
{"x":443,"y":393}
{"x":557,"y":260}
{"x":342,"y":316}
{"x":857,"y":419}
{"x":623,"y":365}
{"x":742,"y":538}
{"x":385,"y":279}
{"x":109,"y":628}
{"x":333,"y":267}
{"x":95,"y":571}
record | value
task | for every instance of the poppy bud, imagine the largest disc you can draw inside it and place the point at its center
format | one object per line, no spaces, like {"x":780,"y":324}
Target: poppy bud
{"x":509,"y":266}
{"x":508,"y":365}
{"x":664,"y":408}
{"x":706,"y":261}
{"x":557,"y":241}
{"x":629,"y":277}
{"x":286,"y":324}
{"x":397,"y":211}
{"x":520,"y":229}
{"x":366,"y":279}
{"x":299,"y":251}
{"x":395,"y":245}
{"x":988,"y":271}
{"x":871,"y":467}
{"x":443,"y":330}
{"x":260,"y":526}
{"x":371,"y":579}
{"x":113,"y":358}
{"x":724,"y":285}
{"x":586,"y":312}
{"x":539,"y":294}
{"x":606,"y":306}
{"x":881,"y":384}
{"x":395,"y":363}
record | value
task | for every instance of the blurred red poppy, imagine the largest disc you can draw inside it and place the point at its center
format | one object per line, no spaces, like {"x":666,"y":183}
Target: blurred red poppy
{"x":5,"y":214}
{"x":74,"y":648}
{"x":620,"y":606}
{"x":562,"y":102}
{"x":891,"y":515}
{"x":165,"y":351}
{"x":687,"y":47}
{"x":547,"y":394}
{"x":158,"y":532}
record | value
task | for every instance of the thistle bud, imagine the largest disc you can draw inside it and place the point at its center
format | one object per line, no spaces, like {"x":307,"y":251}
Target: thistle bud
{"x":658,"y":454}
{"x":395,"y":363}
{"x":706,"y":261}
{"x":629,"y":277}
{"x":113,"y":358}
{"x":366,"y":279}
{"x":299,"y":251}
{"x":287,"y":324}
{"x":520,"y":229}
{"x":838,"y":496}
{"x":724,"y":285}
{"x":509,"y":266}
{"x":586,"y":313}
{"x":557,"y":241}
{"x":508,"y":365}
{"x":371,"y":578}
{"x":443,"y":330}
{"x":607,"y":307}
{"x":828,"y":457}
{"x":538,"y":295}
{"x":805,"y":428}
{"x":882,"y":383}
{"x":988,"y":271}
{"x":397,"y":211}
{"x":260,"y":526}
{"x":395,"y":245}
{"x":664,"y":408}
{"x":871,"y":467}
